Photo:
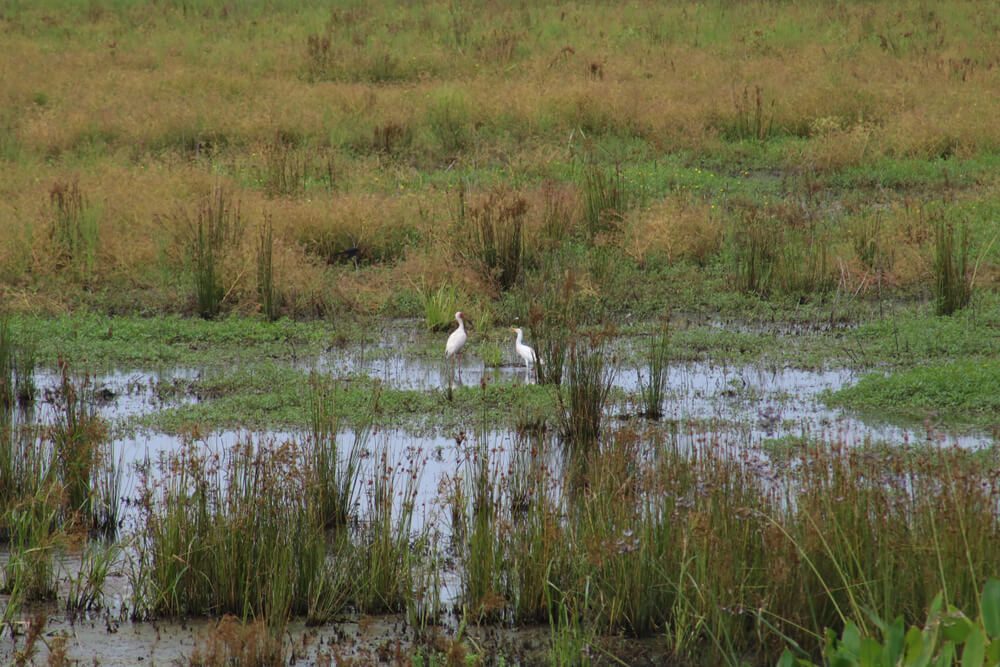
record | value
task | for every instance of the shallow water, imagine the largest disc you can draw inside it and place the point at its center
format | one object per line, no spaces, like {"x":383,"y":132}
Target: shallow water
{"x":742,"y":406}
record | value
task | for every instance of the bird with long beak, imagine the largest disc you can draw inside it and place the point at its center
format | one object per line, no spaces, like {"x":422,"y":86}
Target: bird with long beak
{"x":456,"y":341}
{"x":524,"y":351}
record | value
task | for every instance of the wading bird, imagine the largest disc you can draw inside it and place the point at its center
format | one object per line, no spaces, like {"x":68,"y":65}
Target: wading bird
{"x":523,"y":351}
{"x":453,"y":348}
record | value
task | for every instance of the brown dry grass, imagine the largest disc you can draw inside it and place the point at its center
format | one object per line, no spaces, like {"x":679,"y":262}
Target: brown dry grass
{"x":149,"y":118}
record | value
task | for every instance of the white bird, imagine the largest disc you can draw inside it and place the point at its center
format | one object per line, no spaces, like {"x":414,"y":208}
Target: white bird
{"x":524,"y":351}
{"x":456,"y":341}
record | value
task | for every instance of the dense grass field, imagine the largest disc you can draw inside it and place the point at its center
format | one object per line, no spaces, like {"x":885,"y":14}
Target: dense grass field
{"x":254,"y":222}
{"x":672,"y":155}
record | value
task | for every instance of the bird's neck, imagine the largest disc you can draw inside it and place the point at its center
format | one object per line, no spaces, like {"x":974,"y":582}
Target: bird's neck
{"x":520,"y":336}
{"x":461,"y":325}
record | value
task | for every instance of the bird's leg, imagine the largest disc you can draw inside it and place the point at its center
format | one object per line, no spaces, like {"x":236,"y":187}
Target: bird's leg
{"x":459,"y":357}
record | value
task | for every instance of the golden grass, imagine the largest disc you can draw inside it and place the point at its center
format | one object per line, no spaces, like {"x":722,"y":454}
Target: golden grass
{"x":148,"y":108}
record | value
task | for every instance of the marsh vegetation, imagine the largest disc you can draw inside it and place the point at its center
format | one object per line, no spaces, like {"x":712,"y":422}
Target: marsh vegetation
{"x":756,"y":247}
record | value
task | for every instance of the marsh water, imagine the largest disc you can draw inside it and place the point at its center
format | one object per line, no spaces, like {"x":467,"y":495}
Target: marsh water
{"x":746,"y":405}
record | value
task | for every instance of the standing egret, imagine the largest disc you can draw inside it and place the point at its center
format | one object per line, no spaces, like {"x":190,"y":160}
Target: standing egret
{"x":456,"y":341}
{"x":524,"y":351}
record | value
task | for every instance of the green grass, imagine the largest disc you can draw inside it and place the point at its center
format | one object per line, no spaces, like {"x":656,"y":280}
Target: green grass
{"x":960,"y":391}
{"x":273,"y":395}
{"x":95,"y":341}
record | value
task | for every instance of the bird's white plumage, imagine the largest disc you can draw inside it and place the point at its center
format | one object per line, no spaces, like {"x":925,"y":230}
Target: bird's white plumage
{"x":524,"y":351}
{"x":457,"y":338}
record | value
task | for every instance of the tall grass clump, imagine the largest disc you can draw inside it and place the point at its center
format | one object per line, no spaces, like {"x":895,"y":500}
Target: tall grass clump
{"x":755,"y":242}
{"x":24,"y":373}
{"x":17,"y":370}
{"x":803,"y":266}
{"x":26,"y":462}
{"x":653,"y":389}
{"x":447,"y":116}
{"x":335,"y":469}
{"x":440,"y":307}
{"x":552,"y":315}
{"x":952,"y":281}
{"x":7,"y":382}
{"x":267,"y":295}
{"x":388,"y":551}
{"x":107,"y":491}
{"x":235,"y":535}
{"x":560,"y":210}
{"x":285,"y":168}
{"x":86,"y":586}
{"x":217,"y":227}
{"x":720,"y":555}
{"x":584,"y":395}
{"x":73,"y":229}
{"x":77,"y":434}
{"x":493,"y":232}
{"x":34,"y":537}
{"x":475,"y":515}
{"x":507,"y":531}
{"x":605,"y":197}
{"x":752,"y":118}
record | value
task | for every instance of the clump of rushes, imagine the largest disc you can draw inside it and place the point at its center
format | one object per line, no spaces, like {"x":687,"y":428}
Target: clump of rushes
{"x":234,"y":535}
{"x":652,"y":390}
{"x":387,"y":550}
{"x":475,"y":514}
{"x":267,"y":296}
{"x":77,"y":434}
{"x":334,"y":485}
{"x":604,"y":195}
{"x":440,"y":307}
{"x":26,"y":463}
{"x":752,"y":119}
{"x":493,"y":230}
{"x":803,"y":266}
{"x":86,"y":587}
{"x":284,"y":167}
{"x":590,"y":374}
{"x":34,"y":538}
{"x":74,"y":230}
{"x":241,"y":533}
{"x":7,"y":391}
{"x":952,"y":282}
{"x":217,"y":227}
{"x":24,"y":374}
{"x":552,"y":317}
{"x":755,"y":241}
{"x":17,"y":370}
{"x":717,"y":553}
{"x":107,"y":484}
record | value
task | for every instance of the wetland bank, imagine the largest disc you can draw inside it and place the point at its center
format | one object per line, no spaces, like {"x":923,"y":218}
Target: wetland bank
{"x":756,"y":246}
